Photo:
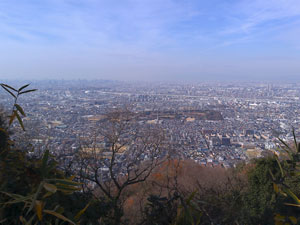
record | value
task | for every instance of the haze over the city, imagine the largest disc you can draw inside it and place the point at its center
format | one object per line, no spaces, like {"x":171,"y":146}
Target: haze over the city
{"x":188,"y":40}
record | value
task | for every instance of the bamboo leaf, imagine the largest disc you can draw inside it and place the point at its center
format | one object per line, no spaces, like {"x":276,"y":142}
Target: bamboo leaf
{"x":11,"y":195}
{"x":20,"y":121}
{"x":50,"y":187}
{"x":12,"y":117}
{"x":23,"y":92}
{"x":293,"y":219}
{"x":24,"y":199}
{"x":53,"y":213}
{"x":285,"y":144}
{"x":290,"y":204}
{"x":17,"y":198}
{"x":276,"y":188}
{"x":291,"y":194}
{"x":19,"y":108}
{"x":79,"y":214}
{"x":21,"y":88}
{"x":64,"y":181}
{"x":280,"y":167}
{"x":47,"y":195}
{"x":35,"y":197}
{"x":295,"y":140}
{"x":39,"y":209}
{"x":68,"y":189}
{"x":12,"y":94}
{"x":5,"y":85}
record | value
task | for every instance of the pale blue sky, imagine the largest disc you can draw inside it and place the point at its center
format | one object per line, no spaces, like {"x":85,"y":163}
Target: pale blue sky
{"x":150,"y":39}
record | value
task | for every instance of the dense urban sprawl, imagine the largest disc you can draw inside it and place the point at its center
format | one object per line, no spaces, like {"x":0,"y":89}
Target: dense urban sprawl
{"x":215,"y":124}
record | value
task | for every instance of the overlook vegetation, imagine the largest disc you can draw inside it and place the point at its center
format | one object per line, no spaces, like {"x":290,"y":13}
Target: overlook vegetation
{"x":168,"y":191}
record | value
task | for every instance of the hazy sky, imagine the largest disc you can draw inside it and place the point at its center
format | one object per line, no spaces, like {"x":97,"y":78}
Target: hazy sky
{"x":150,"y":39}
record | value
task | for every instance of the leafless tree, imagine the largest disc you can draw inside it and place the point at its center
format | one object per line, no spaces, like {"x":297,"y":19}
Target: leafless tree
{"x":123,"y":152}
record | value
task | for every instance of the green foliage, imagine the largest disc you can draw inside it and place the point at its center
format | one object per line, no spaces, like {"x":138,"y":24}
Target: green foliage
{"x":223,"y":202}
{"x":260,"y":199}
{"x":27,"y":186}
{"x":17,"y":109}
{"x":27,"y":198}
{"x":160,"y":210}
{"x":287,"y":185}
{"x":189,"y":212}
{"x":84,"y":207}
{"x":175,"y":210}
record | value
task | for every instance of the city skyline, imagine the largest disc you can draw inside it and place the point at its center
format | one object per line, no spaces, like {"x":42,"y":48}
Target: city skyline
{"x":150,"y":40}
